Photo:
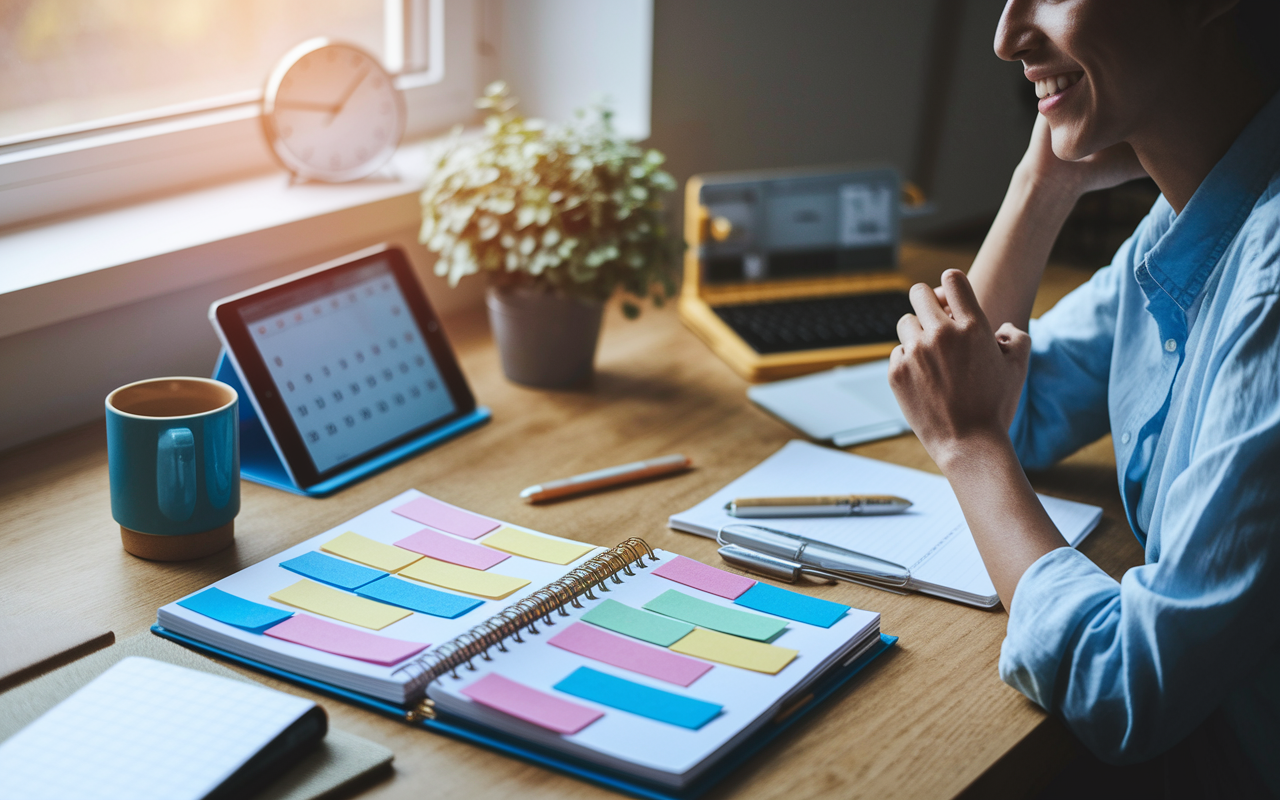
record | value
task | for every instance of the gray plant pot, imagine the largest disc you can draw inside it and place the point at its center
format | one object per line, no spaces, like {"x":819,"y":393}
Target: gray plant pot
{"x":545,"y":340}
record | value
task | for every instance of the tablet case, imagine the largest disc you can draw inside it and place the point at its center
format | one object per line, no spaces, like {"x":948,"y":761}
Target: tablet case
{"x":578,"y":768}
{"x":260,"y":463}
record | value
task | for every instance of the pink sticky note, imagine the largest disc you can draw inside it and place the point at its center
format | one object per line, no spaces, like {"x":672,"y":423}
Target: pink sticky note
{"x":620,"y":651}
{"x":339,"y":640}
{"x":447,"y":518}
{"x":708,"y":579}
{"x":531,"y":705}
{"x":446,"y":548}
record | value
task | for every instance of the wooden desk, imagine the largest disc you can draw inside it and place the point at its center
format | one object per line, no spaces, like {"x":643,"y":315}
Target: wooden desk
{"x":927,"y":720}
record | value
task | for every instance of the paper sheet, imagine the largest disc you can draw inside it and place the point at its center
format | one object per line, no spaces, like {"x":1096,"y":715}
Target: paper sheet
{"x":697,"y":575}
{"x":681,"y":606}
{"x":531,"y":705}
{"x":225,"y":607}
{"x":336,"y":604}
{"x":668,"y":707}
{"x":333,"y":571}
{"x":443,"y":547}
{"x":792,"y":605}
{"x":539,"y":548}
{"x":735,"y":651}
{"x":619,"y":651}
{"x":464,"y":579}
{"x":416,"y":597}
{"x":386,"y":557}
{"x":339,"y":640}
{"x":447,"y":518}
{"x":652,"y":628}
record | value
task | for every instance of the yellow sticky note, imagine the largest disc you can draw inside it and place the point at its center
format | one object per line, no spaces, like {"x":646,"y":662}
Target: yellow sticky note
{"x":735,"y":651}
{"x":539,"y":548}
{"x":463,"y":579}
{"x":385,"y":557}
{"x":339,"y":605}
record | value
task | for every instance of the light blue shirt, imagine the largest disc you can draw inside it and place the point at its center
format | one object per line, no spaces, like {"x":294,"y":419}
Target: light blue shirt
{"x":1175,"y":350}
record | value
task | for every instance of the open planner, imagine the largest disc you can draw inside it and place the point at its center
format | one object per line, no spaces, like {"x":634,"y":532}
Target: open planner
{"x":636,"y":668}
{"x":931,"y":539}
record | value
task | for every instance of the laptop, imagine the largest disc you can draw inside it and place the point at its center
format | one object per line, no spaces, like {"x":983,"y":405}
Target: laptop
{"x":794,"y":271}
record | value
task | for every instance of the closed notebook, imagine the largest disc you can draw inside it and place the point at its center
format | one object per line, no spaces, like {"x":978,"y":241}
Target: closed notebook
{"x":571,"y":665}
{"x":147,"y":729}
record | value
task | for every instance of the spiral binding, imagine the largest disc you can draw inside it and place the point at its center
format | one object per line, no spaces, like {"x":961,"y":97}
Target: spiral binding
{"x":526,"y":614}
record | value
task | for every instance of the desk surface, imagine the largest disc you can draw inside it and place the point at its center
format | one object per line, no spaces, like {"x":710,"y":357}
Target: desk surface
{"x":926,"y":720}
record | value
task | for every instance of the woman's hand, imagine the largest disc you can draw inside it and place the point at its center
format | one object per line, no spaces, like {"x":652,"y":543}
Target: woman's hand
{"x":1102,"y":170}
{"x":958,"y":383}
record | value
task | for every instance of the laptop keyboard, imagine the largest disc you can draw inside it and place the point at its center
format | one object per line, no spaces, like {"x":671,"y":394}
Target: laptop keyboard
{"x":818,"y":322}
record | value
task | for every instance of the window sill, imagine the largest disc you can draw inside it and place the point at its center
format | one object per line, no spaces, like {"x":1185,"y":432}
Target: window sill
{"x":70,"y":268}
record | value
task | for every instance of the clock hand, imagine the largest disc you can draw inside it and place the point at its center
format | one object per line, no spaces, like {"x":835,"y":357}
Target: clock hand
{"x":337,"y":107}
{"x":304,"y":106}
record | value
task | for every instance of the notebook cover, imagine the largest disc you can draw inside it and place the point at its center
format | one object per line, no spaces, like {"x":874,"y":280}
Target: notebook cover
{"x":578,"y":768}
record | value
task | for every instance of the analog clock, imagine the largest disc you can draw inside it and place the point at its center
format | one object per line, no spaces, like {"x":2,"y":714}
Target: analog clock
{"x":331,"y":112}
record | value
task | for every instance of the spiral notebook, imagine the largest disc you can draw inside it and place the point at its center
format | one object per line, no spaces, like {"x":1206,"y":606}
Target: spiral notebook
{"x":635,"y":668}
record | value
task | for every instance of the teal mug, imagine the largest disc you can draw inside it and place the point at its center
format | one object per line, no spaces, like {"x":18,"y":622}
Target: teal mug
{"x":173,"y":454}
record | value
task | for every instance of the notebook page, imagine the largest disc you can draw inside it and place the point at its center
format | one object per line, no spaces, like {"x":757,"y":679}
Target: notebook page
{"x":145,"y":729}
{"x":931,"y":538}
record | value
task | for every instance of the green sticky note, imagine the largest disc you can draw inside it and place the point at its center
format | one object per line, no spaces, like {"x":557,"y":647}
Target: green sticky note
{"x":714,"y":617}
{"x":628,"y":621}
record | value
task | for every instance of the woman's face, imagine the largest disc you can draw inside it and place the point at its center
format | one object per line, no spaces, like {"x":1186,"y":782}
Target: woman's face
{"x":1102,"y":68}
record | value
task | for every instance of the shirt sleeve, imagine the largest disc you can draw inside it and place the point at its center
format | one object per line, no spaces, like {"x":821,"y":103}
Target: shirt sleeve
{"x":1135,"y":666}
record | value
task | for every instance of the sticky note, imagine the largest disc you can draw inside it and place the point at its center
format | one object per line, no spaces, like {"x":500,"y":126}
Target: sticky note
{"x":447,"y":518}
{"x":416,"y":597}
{"x":531,"y":705}
{"x":539,"y":548}
{"x":703,"y":577}
{"x":444,"y":547}
{"x":339,"y":605}
{"x":464,"y":579}
{"x":385,"y":557}
{"x":633,"y":622}
{"x":645,"y":701}
{"x":718,"y":618}
{"x":792,"y":605}
{"x":735,"y":651}
{"x":330,"y":570}
{"x":617,"y":651}
{"x":225,"y":607}
{"x":320,"y":635}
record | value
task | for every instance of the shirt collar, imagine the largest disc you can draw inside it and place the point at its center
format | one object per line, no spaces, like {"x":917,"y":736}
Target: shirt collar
{"x":1186,"y":255}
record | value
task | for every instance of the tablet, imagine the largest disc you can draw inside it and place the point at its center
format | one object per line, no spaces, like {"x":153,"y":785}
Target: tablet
{"x":342,"y":362}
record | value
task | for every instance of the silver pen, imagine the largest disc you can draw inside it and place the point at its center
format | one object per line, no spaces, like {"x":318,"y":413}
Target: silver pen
{"x":821,"y":506}
{"x":786,"y":556}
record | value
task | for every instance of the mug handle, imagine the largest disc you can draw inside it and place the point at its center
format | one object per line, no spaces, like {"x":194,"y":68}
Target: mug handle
{"x":176,"y":473}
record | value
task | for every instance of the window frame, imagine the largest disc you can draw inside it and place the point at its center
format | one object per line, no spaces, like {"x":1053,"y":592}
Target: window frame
{"x":96,"y":165}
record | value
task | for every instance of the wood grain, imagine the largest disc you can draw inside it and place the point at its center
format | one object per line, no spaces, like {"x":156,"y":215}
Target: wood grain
{"x":927,"y":720}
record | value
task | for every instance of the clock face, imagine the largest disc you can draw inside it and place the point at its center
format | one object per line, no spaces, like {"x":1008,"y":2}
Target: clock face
{"x":331,"y":112}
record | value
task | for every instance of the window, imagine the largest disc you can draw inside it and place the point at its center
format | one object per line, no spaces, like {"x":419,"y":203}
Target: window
{"x":103,"y":100}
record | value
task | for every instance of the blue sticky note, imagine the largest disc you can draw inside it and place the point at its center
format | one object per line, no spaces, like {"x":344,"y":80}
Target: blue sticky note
{"x":333,"y":571}
{"x":792,"y":605}
{"x":639,"y":699}
{"x":217,"y":604}
{"x":416,"y":597}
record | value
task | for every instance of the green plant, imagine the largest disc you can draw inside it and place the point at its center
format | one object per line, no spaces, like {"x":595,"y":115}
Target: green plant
{"x":575,"y":209}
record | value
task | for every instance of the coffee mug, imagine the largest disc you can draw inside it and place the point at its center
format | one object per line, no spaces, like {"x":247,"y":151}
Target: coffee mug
{"x":173,"y":454}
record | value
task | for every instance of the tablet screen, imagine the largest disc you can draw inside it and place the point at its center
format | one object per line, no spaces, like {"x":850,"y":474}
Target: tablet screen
{"x":349,"y":362}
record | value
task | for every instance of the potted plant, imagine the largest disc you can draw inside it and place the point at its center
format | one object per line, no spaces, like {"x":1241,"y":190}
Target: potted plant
{"x":560,"y":218}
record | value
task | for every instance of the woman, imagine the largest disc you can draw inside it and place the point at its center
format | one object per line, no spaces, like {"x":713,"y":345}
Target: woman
{"x":1174,"y":348}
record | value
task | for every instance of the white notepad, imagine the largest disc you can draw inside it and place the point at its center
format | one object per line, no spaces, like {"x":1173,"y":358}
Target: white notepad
{"x":844,"y":406}
{"x":145,"y":729}
{"x":931,"y":538}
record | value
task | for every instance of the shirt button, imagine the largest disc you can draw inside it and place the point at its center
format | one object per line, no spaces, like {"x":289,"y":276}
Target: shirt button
{"x":1170,"y":345}
{"x":1125,"y":439}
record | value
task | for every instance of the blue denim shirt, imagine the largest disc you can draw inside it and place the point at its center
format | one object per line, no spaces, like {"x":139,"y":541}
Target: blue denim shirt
{"x":1175,"y":349}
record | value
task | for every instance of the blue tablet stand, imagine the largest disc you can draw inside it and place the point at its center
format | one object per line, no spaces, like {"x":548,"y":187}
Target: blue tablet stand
{"x":260,"y":463}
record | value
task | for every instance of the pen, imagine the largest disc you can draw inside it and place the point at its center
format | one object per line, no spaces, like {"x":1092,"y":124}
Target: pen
{"x":824,"y":506}
{"x":601,"y":478}
{"x":782,"y":555}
